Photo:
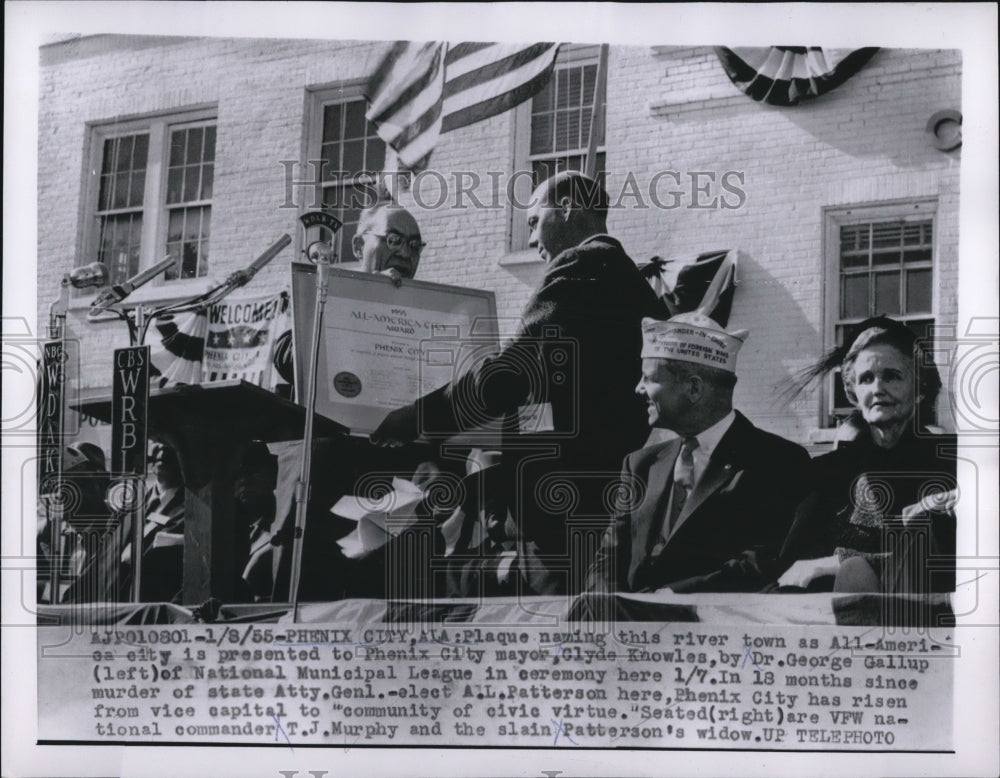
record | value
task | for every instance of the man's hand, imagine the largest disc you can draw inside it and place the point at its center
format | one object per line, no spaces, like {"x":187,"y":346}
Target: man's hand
{"x":395,"y":275}
{"x":239,"y":278}
{"x":805,"y":571}
{"x":398,"y":428}
{"x":936,"y":502}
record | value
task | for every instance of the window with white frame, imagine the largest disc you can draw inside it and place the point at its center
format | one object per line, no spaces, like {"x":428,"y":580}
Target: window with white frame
{"x":552,"y":130}
{"x":151,"y":195}
{"x":881,"y":261}
{"x":346,"y":154}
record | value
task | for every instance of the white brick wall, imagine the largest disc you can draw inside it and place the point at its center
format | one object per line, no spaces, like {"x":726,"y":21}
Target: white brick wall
{"x":668,"y":109}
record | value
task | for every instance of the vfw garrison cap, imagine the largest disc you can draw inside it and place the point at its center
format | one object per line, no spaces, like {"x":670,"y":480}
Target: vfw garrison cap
{"x":692,"y":337}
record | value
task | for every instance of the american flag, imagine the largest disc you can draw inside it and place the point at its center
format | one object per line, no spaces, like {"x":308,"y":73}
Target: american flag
{"x":421,"y":90}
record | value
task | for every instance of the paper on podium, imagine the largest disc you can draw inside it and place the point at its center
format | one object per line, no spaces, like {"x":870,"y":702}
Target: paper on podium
{"x":377,"y":522}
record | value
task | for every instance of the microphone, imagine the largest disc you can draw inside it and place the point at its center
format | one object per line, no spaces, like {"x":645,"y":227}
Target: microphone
{"x":320,"y":252}
{"x":243,"y":277}
{"x":94,"y":274}
{"x":119,"y":292}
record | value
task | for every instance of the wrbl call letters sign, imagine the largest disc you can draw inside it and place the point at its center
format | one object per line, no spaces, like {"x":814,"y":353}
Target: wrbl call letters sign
{"x":129,"y":406}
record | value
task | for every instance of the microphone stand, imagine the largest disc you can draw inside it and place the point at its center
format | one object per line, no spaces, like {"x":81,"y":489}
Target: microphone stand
{"x":138,"y":320}
{"x":323,"y":255}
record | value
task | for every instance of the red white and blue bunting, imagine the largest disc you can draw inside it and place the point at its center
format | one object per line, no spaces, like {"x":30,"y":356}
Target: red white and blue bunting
{"x":787,"y":75}
{"x":228,"y":340}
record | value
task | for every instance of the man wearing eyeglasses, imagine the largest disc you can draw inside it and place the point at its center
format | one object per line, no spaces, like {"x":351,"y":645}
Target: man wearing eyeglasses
{"x":388,"y":241}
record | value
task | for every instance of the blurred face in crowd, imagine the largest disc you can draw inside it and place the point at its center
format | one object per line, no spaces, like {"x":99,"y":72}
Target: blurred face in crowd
{"x":389,"y":240}
{"x":164,"y":465}
{"x":255,"y":484}
{"x":882,"y":380}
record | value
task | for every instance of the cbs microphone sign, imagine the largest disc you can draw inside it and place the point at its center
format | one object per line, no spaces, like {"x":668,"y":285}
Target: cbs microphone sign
{"x":129,"y":405}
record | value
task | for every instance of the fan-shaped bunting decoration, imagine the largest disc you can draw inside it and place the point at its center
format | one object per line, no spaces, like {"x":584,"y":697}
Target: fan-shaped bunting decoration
{"x":787,"y":75}
{"x":178,"y":356}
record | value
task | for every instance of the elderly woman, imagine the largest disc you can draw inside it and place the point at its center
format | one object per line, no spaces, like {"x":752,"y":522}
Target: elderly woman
{"x":880,"y":517}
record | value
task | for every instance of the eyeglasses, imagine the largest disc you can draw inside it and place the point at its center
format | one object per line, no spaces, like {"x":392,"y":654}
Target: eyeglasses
{"x":395,"y":241}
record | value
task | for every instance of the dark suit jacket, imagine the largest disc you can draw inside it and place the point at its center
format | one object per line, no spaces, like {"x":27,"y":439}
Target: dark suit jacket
{"x":578,"y":352}
{"x":730,"y":531}
{"x":832,"y":520}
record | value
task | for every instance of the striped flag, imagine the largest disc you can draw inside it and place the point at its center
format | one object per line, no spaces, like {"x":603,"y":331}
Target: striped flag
{"x":421,"y":90}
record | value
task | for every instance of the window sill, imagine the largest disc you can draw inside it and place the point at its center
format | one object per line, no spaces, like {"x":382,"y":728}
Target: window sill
{"x":172,"y":292}
{"x":523,"y":257}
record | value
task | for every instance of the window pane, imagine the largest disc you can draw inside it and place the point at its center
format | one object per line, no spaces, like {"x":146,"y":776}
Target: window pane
{"x":175,"y":225}
{"x":189,"y":261}
{"x":141,"y":152}
{"x":331,"y":122}
{"x":121,"y":189}
{"x":210,"y":143}
{"x":887,"y":293}
{"x":854,"y":260}
{"x":886,"y":235}
{"x":119,"y":245}
{"x":918,"y":291}
{"x":207,"y":181}
{"x":187,"y":241}
{"x":375,"y":154}
{"x":917,"y":255}
{"x":175,"y":183}
{"x":194,"y":140}
{"x":541,"y":133}
{"x":839,"y":395}
{"x":354,"y":156}
{"x":104,"y":198}
{"x":354,"y":126}
{"x":191,"y":183}
{"x":123,"y":157}
{"x":544,"y":100}
{"x":332,"y":198}
{"x":192,"y":225}
{"x":589,"y":83}
{"x":109,"y":155}
{"x":567,"y":131}
{"x":854,"y":297}
{"x":176,"y":149}
{"x":911,"y":234}
{"x":138,"y":188}
{"x":562,"y":88}
{"x":345,"y":236}
{"x":331,"y":155}
{"x":885,"y":257}
{"x":854,"y":237}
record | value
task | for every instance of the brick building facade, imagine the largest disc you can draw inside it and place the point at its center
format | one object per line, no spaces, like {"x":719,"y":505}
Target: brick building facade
{"x":693,"y":164}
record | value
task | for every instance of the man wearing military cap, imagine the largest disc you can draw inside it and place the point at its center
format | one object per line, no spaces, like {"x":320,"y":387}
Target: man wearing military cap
{"x":708,"y":510}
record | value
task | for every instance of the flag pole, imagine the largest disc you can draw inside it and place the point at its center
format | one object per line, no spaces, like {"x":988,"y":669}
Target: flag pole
{"x":597,"y":112}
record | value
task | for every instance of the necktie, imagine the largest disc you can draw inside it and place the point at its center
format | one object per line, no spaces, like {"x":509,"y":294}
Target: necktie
{"x":683,"y":484}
